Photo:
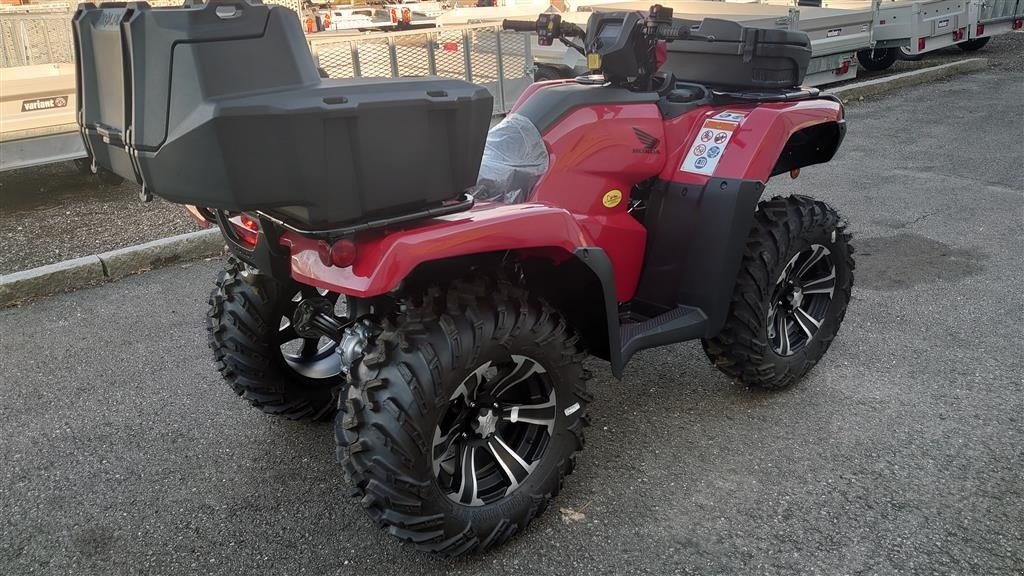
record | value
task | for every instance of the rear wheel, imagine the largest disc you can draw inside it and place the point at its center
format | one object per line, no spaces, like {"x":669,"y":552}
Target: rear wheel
{"x":464,"y":416}
{"x":877,"y":59}
{"x":259,"y":353}
{"x":791,"y":294}
{"x":975,"y":44}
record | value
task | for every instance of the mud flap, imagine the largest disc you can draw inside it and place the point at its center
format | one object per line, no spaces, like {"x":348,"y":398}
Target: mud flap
{"x":695,"y":245}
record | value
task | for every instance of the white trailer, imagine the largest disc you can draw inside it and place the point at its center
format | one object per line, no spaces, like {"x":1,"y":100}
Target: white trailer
{"x":875,"y":32}
{"x":909,"y":29}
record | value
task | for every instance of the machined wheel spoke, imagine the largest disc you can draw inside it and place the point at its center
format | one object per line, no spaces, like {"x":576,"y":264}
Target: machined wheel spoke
{"x":824,"y":285}
{"x":468,"y":488}
{"x":515,"y":468}
{"x":524,"y":368}
{"x":310,"y":346}
{"x":816,"y":255}
{"x":542,"y":414}
{"x":287,"y":334}
{"x":806,"y":322}
{"x":443,"y":443}
{"x":782,"y":331}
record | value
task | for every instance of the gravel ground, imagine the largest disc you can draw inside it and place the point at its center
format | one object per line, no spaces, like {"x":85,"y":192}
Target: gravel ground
{"x":902,"y":452}
{"x":54,"y":213}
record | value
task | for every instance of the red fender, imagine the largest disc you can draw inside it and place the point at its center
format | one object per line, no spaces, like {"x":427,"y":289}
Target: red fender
{"x":384,"y":259}
{"x":757,"y":142}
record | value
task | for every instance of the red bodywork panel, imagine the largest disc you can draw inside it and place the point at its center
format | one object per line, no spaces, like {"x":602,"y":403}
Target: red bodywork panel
{"x":597,"y":154}
{"x":384,"y":258}
{"x":755,"y":145}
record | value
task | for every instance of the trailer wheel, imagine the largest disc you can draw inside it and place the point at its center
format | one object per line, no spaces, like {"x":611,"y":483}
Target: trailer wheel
{"x":906,"y":54}
{"x":790,"y":296}
{"x":258,"y":353}
{"x":975,"y":44}
{"x":878,"y":59}
{"x":464,"y":416}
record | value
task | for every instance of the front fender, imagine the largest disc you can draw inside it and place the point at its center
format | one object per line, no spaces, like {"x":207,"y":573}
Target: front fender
{"x":759,"y":146}
{"x":385,"y":257}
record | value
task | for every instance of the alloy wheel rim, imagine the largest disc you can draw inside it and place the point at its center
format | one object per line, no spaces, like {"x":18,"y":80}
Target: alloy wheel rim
{"x":801,"y":299}
{"x":496,"y":429}
{"x":314,"y":358}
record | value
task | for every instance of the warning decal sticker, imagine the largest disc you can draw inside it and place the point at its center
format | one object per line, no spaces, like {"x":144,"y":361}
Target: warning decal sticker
{"x":711,"y":142}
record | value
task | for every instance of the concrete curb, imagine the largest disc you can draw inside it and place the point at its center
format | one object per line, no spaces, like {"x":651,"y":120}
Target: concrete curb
{"x":92,"y":270}
{"x":877,"y":86}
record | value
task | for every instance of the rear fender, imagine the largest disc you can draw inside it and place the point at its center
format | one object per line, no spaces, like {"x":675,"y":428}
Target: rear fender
{"x":386,"y":257}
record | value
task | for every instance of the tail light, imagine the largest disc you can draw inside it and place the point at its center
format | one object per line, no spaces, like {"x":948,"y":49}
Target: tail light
{"x":843,"y":68}
{"x":246,"y":229}
{"x":1018,"y":24}
{"x":406,"y":15}
{"x":920,"y":44}
{"x":980,"y":30}
{"x":394,"y":16}
{"x":342,"y":253}
{"x":958,"y":35}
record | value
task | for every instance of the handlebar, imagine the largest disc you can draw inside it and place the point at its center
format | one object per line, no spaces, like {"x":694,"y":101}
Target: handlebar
{"x":666,"y":32}
{"x":566,"y":29}
{"x":519,"y":25}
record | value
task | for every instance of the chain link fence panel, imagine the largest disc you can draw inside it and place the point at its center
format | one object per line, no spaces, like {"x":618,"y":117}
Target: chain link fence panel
{"x":481,"y":53}
{"x":484,"y":54}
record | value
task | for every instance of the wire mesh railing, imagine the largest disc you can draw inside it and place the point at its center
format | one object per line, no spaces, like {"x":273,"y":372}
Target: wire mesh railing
{"x":481,"y":53}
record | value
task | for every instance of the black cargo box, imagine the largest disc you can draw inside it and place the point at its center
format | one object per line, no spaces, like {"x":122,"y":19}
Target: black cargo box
{"x":740,"y":56}
{"x":220,"y":105}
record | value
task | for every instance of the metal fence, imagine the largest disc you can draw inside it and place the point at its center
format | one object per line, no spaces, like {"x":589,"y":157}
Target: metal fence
{"x":483,"y":53}
{"x":29,"y":39}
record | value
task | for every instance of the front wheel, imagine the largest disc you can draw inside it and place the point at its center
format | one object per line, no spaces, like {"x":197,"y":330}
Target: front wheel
{"x":464,"y":416}
{"x":791,"y":294}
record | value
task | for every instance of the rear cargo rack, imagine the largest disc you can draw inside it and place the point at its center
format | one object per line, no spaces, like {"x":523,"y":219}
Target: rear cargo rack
{"x":462,"y":205}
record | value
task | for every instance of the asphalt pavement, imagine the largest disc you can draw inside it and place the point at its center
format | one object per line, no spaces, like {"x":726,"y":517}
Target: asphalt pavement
{"x":902,"y":453}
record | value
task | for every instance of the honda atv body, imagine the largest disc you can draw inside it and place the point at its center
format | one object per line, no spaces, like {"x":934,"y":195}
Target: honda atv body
{"x":442,"y":315}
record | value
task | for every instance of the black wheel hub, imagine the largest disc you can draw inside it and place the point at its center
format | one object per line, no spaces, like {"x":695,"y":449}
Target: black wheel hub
{"x":801,"y":299}
{"x":495,"y":430}
{"x":304,"y":350}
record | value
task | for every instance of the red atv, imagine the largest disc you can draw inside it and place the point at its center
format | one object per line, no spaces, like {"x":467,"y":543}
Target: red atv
{"x":444,"y":309}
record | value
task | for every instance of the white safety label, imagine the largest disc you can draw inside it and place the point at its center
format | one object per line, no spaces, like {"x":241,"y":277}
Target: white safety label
{"x":710,"y":144}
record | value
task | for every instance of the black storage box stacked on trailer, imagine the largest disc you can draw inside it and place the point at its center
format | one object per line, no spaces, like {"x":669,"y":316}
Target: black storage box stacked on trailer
{"x":220,"y":105}
{"x":740,"y":56}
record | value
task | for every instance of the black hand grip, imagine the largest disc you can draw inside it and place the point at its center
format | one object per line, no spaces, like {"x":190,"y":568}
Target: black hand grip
{"x":519,"y":25}
{"x":572,"y":30}
{"x":669,"y":32}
